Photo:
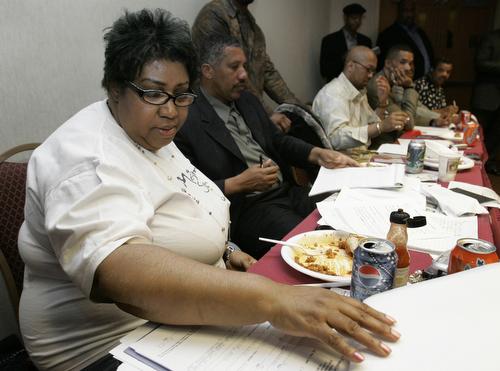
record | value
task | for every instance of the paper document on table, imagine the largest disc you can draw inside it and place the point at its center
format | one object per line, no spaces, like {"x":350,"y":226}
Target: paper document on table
{"x":330,"y":180}
{"x":453,"y":203}
{"x":367,"y":213}
{"x":393,"y":149}
{"x":441,"y":233}
{"x":232,"y":348}
{"x":483,"y":191}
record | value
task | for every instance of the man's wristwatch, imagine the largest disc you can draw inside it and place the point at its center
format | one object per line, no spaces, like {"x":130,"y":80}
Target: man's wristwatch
{"x":230,"y":248}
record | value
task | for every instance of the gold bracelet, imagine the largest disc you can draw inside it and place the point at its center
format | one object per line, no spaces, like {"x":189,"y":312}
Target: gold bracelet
{"x":378,"y":128}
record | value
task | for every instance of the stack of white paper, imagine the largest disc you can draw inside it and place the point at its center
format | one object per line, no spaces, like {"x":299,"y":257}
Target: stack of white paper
{"x":367,"y":212}
{"x":331,"y":180}
{"x":178,"y":348}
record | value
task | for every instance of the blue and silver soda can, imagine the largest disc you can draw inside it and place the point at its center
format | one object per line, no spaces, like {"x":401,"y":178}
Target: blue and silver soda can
{"x":415,"y":157}
{"x":374,"y":267}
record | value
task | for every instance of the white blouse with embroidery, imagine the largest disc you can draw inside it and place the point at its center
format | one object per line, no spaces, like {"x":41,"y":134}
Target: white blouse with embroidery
{"x":90,"y":189}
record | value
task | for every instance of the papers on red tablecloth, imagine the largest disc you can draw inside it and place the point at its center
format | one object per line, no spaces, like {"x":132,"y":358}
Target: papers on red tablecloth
{"x":202,"y":348}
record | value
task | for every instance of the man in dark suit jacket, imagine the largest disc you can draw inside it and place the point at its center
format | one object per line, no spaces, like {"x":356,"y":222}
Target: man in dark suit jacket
{"x":404,"y":31}
{"x":334,"y":46}
{"x":230,"y":138}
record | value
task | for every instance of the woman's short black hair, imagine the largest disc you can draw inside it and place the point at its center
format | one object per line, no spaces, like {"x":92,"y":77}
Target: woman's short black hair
{"x":138,"y":38}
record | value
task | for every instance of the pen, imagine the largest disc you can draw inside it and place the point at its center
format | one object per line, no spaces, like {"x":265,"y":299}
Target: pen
{"x":260,"y":161}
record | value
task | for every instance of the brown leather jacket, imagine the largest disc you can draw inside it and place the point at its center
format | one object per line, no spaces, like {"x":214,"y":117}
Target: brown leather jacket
{"x":221,"y":16}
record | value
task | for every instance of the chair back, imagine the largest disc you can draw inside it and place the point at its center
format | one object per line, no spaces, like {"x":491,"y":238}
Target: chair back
{"x":12,"y":199}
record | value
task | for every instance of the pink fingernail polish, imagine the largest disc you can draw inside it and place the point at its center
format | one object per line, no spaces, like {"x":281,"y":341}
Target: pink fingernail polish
{"x":390,"y":318}
{"x":395,"y":333}
{"x":385,"y":348}
{"x":358,"y":356}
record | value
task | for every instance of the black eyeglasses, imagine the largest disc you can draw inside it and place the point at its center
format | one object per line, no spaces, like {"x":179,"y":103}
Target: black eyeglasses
{"x":159,"y":97}
{"x":368,"y":69}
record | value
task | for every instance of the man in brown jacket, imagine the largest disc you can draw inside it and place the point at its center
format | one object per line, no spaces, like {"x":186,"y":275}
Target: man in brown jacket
{"x":233,"y":17}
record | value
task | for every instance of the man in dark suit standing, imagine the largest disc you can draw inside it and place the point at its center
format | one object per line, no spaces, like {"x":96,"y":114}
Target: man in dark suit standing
{"x":230,"y":138}
{"x":334,"y":46}
{"x":404,"y":31}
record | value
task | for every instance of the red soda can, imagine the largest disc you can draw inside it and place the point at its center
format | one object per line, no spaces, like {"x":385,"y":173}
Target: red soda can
{"x":471,"y":129}
{"x":471,"y":253}
{"x":465,"y":117}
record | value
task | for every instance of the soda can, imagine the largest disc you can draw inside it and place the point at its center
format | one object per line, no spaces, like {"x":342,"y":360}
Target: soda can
{"x":415,"y":157}
{"x":471,"y":129}
{"x":373,"y":268}
{"x":465,"y":117}
{"x":471,"y":253}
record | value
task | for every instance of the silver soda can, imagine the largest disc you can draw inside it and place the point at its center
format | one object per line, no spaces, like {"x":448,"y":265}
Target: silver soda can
{"x":374,"y":267}
{"x":415,"y":156}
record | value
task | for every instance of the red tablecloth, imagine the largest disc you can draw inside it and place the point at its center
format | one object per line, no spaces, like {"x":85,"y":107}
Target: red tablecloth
{"x":272,"y":265}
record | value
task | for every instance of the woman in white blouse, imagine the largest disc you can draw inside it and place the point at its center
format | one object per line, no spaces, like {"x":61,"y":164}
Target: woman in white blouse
{"x":120,"y":228}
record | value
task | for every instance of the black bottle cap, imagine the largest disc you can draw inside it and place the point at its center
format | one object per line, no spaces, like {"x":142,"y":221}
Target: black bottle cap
{"x":399,"y":217}
{"x":416,"y":221}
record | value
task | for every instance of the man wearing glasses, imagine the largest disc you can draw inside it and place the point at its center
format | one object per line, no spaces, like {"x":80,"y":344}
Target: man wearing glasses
{"x":343,"y":108}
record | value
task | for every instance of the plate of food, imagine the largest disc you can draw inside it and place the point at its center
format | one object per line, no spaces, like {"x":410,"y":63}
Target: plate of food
{"x":327,"y":254}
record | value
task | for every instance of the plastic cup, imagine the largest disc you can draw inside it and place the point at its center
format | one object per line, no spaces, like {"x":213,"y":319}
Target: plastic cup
{"x":448,"y":166}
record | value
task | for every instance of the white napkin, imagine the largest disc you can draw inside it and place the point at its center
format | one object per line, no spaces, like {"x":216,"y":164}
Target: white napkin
{"x":435,"y":149}
{"x":453,"y":203}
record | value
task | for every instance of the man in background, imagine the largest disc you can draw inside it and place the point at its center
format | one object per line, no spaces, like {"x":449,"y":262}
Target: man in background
{"x":405,"y":31}
{"x":232,"y":17}
{"x":343,"y":108}
{"x":229,"y":137}
{"x":335,"y":46}
{"x":398,"y":71}
{"x":432,"y":96}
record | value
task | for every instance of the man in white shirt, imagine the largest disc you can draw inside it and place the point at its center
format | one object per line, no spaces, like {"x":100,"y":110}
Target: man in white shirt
{"x":343,"y":108}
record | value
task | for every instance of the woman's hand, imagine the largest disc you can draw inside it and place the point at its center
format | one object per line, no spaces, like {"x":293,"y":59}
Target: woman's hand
{"x":239,"y":261}
{"x":326,"y":316}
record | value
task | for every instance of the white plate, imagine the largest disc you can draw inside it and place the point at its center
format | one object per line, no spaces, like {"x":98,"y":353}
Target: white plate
{"x":288,"y":256}
{"x":465,"y":163}
{"x":443,"y":133}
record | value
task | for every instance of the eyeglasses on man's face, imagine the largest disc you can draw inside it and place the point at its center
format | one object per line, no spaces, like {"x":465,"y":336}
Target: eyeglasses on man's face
{"x":159,"y":97}
{"x":371,"y":70}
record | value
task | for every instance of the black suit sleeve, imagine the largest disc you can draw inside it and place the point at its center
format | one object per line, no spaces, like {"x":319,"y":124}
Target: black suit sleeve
{"x":324,"y":61}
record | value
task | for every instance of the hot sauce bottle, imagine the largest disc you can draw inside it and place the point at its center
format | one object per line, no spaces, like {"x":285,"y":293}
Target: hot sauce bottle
{"x":398,"y":235}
